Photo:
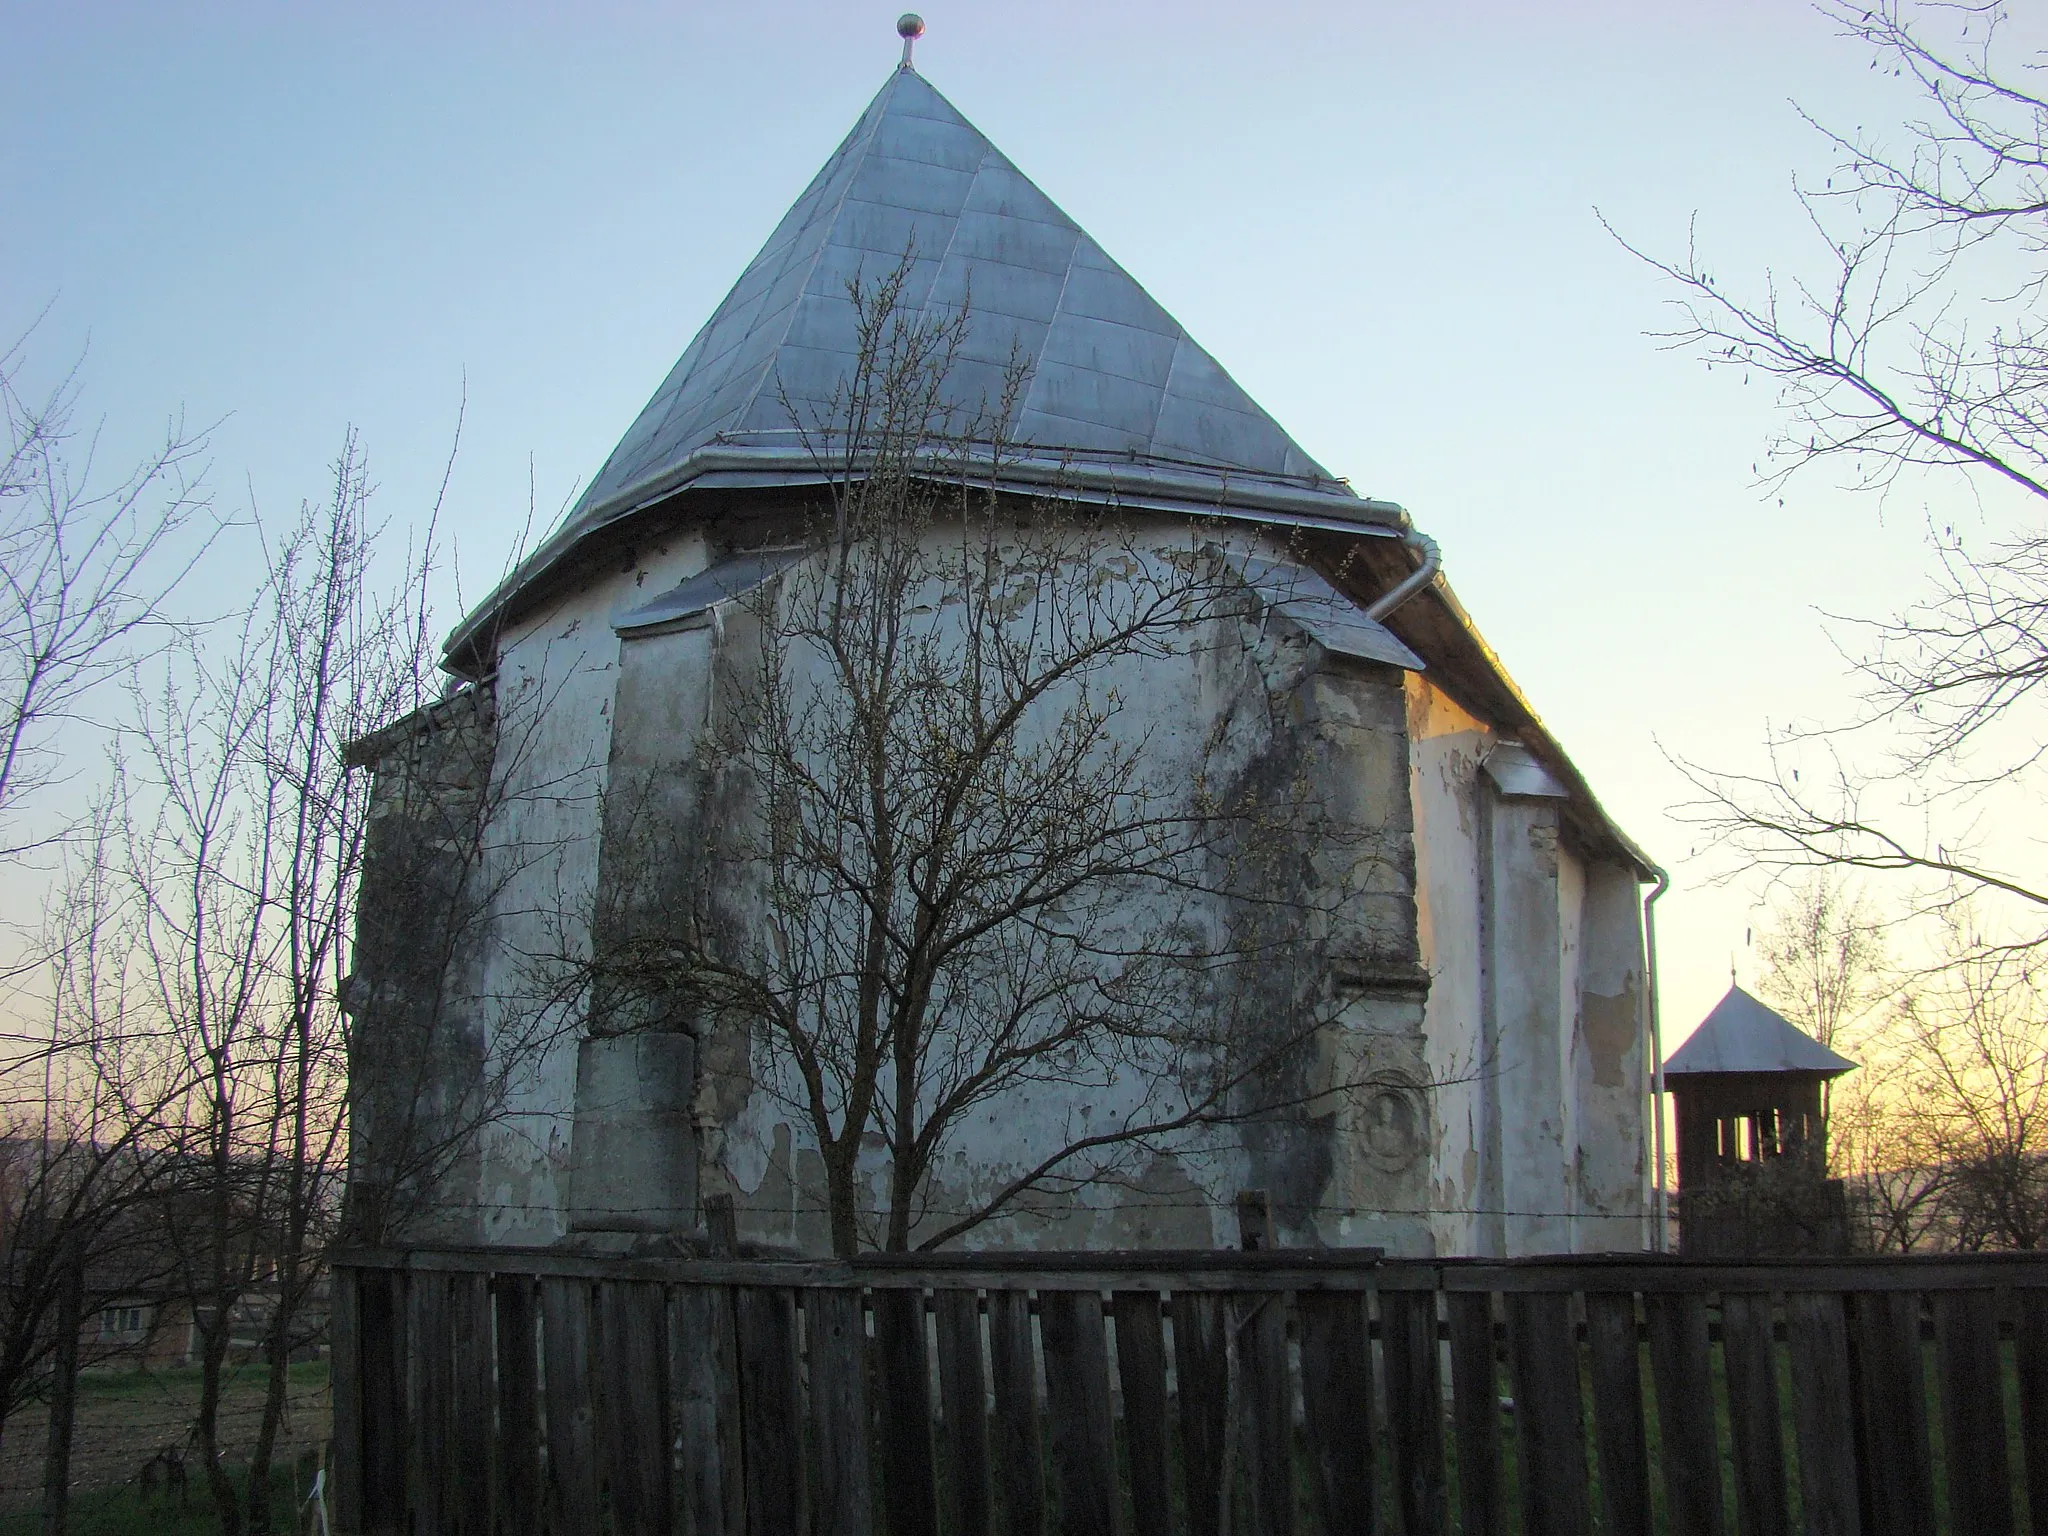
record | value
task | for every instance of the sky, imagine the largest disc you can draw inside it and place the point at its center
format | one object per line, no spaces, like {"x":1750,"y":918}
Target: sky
{"x":1384,"y":220}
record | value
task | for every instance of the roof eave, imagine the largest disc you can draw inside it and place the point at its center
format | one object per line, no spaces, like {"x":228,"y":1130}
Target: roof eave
{"x":1582,"y":804}
{"x":1235,"y":495}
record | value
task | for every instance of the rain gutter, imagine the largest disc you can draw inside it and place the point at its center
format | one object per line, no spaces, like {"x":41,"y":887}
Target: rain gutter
{"x":1236,"y":496}
{"x":1421,"y":577}
{"x":1661,"y":1199}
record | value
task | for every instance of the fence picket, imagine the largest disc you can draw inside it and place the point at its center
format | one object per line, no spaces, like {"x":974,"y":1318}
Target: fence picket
{"x":568,"y":1398}
{"x":429,"y":1356}
{"x":1268,"y":1400}
{"x":2030,"y":1350}
{"x":697,"y":1495}
{"x":1475,"y":1412}
{"x":904,"y":1376}
{"x":471,"y":1367}
{"x":1614,"y":1353}
{"x":963,"y":1399}
{"x":1077,"y":1399}
{"x":1817,"y":1337}
{"x":1336,"y":1403}
{"x":1748,"y":1357}
{"x":1972,"y":1418}
{"x":1681,"y":1364}
{"x":1141,"y":1370}
{"x":1202,"y":1366}
{"x":1550,"y":1434}
{"x":345,"y":1374}
{"x":1898,"y":1492}
{"x":1415,"y":1437}
{"x":722,"y":1339}
{"x":771,"y":1410}
{"x":518,"y":1398}
{"x":383,"y":1309}
{"x":836,"y":1332}
{"x":1019,"y":1454}
{"x":632,"y":1425}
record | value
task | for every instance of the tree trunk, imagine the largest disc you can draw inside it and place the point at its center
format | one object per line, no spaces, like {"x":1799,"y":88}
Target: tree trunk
{"x":902,"y":1197}
{"x":276,"y":1383}
{"x":63,"y":1397}
{"x":841,"y":1201}
{"x":213,"y":1355}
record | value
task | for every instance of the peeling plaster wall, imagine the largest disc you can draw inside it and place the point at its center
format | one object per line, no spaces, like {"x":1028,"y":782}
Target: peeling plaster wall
{"x":1249,"y":703}
{"x":1571,"y":913}
{"x":1477,"y":954}
{"x":1379,"y":1137}
{"x":1524,"y":950}
{"x":1446,"y":746}
{"x":556,"y":681}
{"x":1534,"y":1018}
{"x":417,"y":1041}
{"x":1611,"y":1084}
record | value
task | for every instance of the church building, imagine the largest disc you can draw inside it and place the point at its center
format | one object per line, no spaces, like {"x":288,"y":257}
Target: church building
{"x":1477,"y":1080}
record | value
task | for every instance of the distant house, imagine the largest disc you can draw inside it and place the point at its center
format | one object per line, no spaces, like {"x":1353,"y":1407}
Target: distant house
{"x":139,"y":1304}
{"x":156,"y":1327}
{"x":1504,"y":980}
{"x":149,"y":1329}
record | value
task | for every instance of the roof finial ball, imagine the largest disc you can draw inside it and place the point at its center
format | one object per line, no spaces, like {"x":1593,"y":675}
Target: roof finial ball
{"x":909,"y":27}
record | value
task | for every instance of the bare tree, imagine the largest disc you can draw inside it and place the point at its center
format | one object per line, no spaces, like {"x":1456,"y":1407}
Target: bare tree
{"x":1827,"y":968}
{"x":88,"y":563}
{"x":1939,"y":1135}
{"x":1824,"y":958}
{"x":939,"y":860}
{"x":1972,"y":1091}
{"x":234,"y":840}
{"x":86,"y":566}
{"x":1914,"y":349}
{"x":68,"y":1220}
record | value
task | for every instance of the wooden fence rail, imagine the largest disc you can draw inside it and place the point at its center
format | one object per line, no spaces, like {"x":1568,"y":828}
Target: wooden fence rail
{"x":519,"y":1391}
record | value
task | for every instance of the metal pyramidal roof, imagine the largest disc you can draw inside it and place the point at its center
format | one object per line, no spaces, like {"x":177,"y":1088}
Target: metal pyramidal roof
{"x":1114,"y":380}
{"x":1743,"y":1035}
{"x":1121,"y":403}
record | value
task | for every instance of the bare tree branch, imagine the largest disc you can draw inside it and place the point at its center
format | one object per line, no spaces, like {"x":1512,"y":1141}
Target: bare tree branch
{"x":86,"y":567}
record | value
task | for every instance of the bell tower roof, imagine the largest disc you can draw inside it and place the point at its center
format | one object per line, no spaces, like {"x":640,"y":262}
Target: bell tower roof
{"x":1744,"y":1035}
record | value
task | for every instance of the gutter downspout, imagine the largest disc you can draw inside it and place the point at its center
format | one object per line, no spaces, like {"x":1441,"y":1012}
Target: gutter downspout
{"x":1422,"y":576}
{"x":1661,"y":1200}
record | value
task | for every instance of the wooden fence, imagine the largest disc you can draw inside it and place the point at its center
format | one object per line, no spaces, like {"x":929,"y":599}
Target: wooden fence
{"x":1215,"y":1394}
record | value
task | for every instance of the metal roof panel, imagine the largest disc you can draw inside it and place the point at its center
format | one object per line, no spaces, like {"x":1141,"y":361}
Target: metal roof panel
{"x":1108,"y":346}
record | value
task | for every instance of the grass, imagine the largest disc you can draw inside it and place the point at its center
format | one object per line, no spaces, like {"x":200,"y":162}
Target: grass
{"x":122,"y":1511}
{"x":126,"y":1416}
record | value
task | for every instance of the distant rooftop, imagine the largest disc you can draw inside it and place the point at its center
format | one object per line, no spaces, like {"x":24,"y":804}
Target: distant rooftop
{"x":1744,"y":1035}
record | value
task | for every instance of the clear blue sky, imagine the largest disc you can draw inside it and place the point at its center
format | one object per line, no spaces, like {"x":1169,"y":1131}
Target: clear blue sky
{"x":1379,"y":217}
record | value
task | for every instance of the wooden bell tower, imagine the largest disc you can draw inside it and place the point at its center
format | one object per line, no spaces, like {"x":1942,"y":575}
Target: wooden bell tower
{"x":1750,"y":1090}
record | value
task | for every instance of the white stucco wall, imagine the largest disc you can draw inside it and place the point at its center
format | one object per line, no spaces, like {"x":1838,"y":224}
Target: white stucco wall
{"x":1529,"y":1138}
{"x":557,"y":676}
{"x":1445,"y":748}
{"x":1534,"y":1013}
{"x":1611,"y":1065}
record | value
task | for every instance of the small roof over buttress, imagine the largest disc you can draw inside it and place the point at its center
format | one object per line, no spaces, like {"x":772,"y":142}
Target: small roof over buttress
{"x":1744,"y":1035}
